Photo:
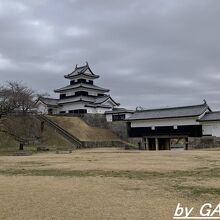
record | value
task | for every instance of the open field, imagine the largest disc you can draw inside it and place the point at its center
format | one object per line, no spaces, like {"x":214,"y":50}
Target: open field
{"x":107,"y":184}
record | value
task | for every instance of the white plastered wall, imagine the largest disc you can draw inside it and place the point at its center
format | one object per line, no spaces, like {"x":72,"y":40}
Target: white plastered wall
{"x":101,"y":110}
{"x":211,"y":128}
{"x":71,"y":106}
{"x":42,"y":108}
{"x":128,"y":115}
{"x":109,"y":116}
{"x":164,"y":122}
{"x":90,"y":91}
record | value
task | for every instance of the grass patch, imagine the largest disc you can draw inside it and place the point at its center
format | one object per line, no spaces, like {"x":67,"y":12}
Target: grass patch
{"x":81,"y":173}
{"x":11,"y":151}
{"x":197,"y":191}
{"x":140,"y":175}
{"x":203,"y":172}
{"x":31,"y":163}
{"x":174,"y":179}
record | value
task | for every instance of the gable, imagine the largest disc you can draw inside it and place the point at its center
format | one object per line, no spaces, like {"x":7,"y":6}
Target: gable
{"x":204,"y":113}
{"x":40,"y":102}
{"x":109,"y":102}
{"x":88,"y":71}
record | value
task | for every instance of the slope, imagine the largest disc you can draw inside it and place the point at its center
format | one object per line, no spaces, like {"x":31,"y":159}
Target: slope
{"x":77,"y":127}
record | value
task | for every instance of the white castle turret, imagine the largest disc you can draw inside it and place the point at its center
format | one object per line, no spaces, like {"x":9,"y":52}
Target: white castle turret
{"x":81,"y":95}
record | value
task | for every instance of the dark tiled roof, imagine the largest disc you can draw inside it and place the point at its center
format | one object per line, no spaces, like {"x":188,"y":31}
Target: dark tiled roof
{"x":49,"y":101}
{"x":83,"y":85}
{"x":100,"y":100}
{"x":211,"y":116}
{"x":98,"y":105}
{"x":175,"y":112}
{"x":119,"y":110}
{"x":81,"y":70}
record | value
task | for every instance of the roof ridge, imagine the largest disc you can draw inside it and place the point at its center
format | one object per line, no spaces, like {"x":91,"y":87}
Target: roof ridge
{"x":176,"y":107}
{"x":212,"y":112}
{"x":48,"y":98}
{"x":83,"y":69}
{"x":78,"y":67}
{"x":92,"y":85}
{"x":85,"y":85}
{"x":104,"y":96}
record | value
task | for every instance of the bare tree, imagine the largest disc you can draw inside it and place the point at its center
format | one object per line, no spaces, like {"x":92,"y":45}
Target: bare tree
{"x":7,"y":105}
{"x":25,"y":129}
{"x":16,"y":96}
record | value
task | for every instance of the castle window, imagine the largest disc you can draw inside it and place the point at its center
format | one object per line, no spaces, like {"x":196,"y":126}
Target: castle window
{"x":119,"y":117}
{"x":80,"y":111}
{"x":72,"y":82}
{"x":81,"y":93}
{"x":81,"y":81}
{"x":62,"y":96}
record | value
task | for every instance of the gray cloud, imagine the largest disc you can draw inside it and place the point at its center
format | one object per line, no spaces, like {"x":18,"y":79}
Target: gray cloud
{"x":149,"y":53}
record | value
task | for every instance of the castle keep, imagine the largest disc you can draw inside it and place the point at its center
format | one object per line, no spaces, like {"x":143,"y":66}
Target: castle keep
{"x":154,"y":127}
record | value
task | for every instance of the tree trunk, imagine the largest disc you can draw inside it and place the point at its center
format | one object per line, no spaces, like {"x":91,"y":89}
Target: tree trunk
{"x":42,"y":126}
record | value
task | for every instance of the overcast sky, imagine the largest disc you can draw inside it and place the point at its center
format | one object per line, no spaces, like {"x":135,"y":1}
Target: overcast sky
{"x":150,"y":53}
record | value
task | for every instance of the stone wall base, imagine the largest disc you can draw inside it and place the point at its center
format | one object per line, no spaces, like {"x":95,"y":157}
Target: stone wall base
{"x":103,"y":144}
{"x":137,"y":142}
{"x":120,"y":128}
{"x":203,"y":142}
{"x":95,"y":120}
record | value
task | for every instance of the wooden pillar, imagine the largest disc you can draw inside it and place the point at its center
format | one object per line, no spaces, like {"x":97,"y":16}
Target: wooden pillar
{"x":157,"y":143}
{"x":21,"y":146}
{"x":139,"y":145}
{"x":147,"y":144}
{"x":186,"y":143}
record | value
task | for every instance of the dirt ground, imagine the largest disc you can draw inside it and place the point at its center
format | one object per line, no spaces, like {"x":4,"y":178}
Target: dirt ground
{"x":107,"y":184}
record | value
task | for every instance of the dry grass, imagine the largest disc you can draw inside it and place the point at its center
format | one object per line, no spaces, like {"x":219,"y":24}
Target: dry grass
{"x":53,"y":139}
{"x":107,"y":184}
{"x":6,"y":141}
{"x":50,"y":139}
{"x":82,"y":130}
